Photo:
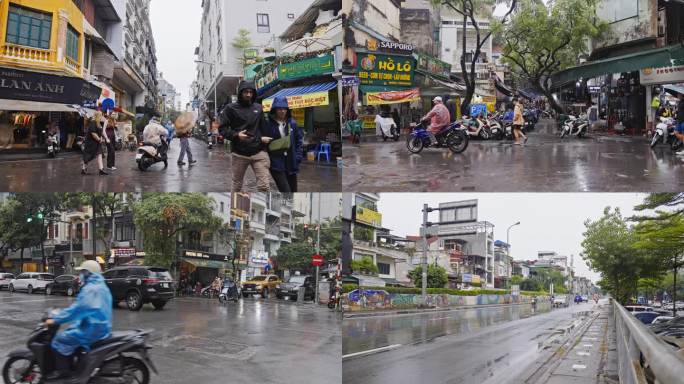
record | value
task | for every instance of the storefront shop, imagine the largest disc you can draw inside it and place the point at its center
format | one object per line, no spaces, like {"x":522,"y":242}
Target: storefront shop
{"x":32,"y":102}
{"x":204,"y":267}
{"x":312,"y":92}
{"x":662,"y":84}
{"x":433,"y":77}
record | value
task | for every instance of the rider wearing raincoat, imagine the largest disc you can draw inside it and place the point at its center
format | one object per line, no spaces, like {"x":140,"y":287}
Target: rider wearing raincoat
{"x":90,"y":317}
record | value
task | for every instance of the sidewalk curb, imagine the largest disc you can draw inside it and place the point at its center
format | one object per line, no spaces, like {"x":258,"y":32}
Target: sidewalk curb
{"x":430,"y":310}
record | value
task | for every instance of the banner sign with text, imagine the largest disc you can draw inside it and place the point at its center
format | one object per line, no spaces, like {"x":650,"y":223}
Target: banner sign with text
{"x":315,"y":99}
{"x":35,"y":86}
{"x":385,"y":70}
{"x":392,"y":97}
{"x":314,"y":66}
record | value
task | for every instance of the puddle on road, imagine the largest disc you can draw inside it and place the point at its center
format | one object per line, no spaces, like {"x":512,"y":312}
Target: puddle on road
{"x":208,"y":347}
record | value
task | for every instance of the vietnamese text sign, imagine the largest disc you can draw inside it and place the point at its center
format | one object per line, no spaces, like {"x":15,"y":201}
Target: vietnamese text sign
{"x":368,"y":216}
{"x":433,"y":66}
{"x":34,"y":86}
{"x":662,"y":75}
{"x":385,"y":70}
{"x":315,"y":99}
{"x":308,"y":67}
{"x":392,"y":97}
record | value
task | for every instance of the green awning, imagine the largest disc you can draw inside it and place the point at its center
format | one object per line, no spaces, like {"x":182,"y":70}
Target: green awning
{"x":654,"y":58}
{"x":206,"y":263}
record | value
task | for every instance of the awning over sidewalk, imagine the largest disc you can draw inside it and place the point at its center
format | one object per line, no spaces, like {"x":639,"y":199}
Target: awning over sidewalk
{"x":654,"y":58}
{"x":205,"y":263}
{"x":302,"y":97}
{"x":674,"y":89}
{"x":36,"y":106}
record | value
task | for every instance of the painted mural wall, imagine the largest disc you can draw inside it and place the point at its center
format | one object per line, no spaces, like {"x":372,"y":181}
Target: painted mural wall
{"x":372,"y":300}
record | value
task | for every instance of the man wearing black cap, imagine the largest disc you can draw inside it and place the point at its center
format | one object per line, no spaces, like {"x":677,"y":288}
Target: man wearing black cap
{"x":245,"y":126}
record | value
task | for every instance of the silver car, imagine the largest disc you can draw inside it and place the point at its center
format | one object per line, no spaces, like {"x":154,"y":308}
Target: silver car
{"x":5,"y":279}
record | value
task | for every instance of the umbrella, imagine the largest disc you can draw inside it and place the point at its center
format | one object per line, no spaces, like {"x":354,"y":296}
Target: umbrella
{"x":306,"y":44}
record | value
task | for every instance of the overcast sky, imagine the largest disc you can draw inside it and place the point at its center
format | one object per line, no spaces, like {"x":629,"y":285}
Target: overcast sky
{"x":549,"y":221}
{"x":176,"y":29}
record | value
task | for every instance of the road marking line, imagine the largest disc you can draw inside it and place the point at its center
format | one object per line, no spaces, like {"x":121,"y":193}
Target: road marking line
{"x":590,"y":338}
{"x":31,"y":301}
{"x":588,"y":345}
{"x":371,"y":351}
{"x":583,"y":353}
{"x":439,"y":318}
{"x":578,"y":366}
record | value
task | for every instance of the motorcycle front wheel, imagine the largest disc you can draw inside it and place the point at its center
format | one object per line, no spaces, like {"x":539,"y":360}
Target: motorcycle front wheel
{"x":655,"y":140}
{"x":20,"y":370}
{"x":457,"y":141}
{"x":414,"y":144}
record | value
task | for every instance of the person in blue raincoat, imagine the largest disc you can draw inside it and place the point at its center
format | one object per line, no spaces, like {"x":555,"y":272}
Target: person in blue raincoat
{"x":284,"y":164}
{"x":90,"y":317}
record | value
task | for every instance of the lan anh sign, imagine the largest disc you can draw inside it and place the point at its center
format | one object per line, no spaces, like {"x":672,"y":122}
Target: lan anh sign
{"x":316,"y":99}
{"x":369,"y":217}
{"x":392,"y":97}
{"x":385,"y":70}
{"x":315,"y":66}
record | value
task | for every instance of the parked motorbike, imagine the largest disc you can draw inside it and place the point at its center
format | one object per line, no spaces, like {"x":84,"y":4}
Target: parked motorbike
{"x":665,"y":132}
{"x":388,"y":128}
{"x":453,"y":136}
{"x":575,"y":126}
{"x":121,"y":358}
{"x":118,"y":143}
{"x":210,"y":140}
{"x":495,"y":127}
{"x":229,"y":292}
{"x":149,"y":154}
{"x":477,"y":128}
{"x":52,"y":141}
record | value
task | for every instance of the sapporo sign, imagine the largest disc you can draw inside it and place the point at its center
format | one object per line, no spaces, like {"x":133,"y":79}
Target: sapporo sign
{"x":34,"y":86}
{"x":315,"y":99}
{"x":385,"y":70}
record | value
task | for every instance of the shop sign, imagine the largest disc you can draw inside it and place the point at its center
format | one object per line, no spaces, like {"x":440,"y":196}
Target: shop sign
{"x":259,"y":257}
{"x":368,"y":121}
{"x":369,"y":217}
{"x":35,"y":86}
{"x":385,"y":70}
{"x":662,"y":75}
{"x":350,"y":81}
{"x":466,"y":278}
{"x":123,"y":252}
{"x":315,"y":99}
{"x":433,"y":66}
{"x":388,"y":46}
{"x":476,"y":279}
{"x":315,"y":66}
{"x":378,"y":98}
{"x":298,"y":115}
{"x":266,"y":80}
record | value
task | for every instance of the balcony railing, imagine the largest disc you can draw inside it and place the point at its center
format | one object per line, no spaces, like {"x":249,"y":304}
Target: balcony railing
{"x":20,"y":52}
{"x":72,"y":65}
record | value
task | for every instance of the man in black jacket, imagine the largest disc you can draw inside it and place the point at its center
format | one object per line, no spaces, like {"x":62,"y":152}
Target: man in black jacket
{"x":244,"y":124}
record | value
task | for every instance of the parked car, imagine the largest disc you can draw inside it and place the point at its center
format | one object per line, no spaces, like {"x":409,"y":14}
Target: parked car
{"x":66,"y":284}
{"x":290,"y":289}
{"x":31,"y":282}
{"x":638,"y":308}
{"x":661,"y":319}
{"x":260,"y":285}
{"x":646,"y":317}
{"x":5,"y":279}
{"x":138,"y":285}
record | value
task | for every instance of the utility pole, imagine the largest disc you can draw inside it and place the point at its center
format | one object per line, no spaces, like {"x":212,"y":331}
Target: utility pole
{"x":318,"y":247}
{"x":424,"y":262}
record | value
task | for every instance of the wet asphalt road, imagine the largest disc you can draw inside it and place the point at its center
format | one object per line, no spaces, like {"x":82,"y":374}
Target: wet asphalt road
{"x":545,"y":164}
{"x":201,"y":341}
{"x":484,"y":345}
{"x":212,"y":173}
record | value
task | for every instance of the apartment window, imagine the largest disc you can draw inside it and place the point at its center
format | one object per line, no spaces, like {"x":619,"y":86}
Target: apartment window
{"x":86,"y":55}
{"x":383,"y":269}
{"x":28,"y":27}
{"x":125,"y":232}
{"x":222,"y":206}
{"x":72,"y":44}
{"x":263,"y":26}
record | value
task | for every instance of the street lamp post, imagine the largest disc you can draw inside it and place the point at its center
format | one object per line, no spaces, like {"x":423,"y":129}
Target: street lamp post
{"x":508,"y":236}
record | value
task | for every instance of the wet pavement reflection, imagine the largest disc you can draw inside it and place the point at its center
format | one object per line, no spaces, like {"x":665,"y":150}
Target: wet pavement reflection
{"x":202,"y":341}
{"x":485,"y":345}
{"x":545,"y":164}
{"x":212,"y":173}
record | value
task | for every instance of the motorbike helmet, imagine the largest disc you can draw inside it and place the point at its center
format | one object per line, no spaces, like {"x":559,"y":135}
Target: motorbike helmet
{"x":91,"y":266}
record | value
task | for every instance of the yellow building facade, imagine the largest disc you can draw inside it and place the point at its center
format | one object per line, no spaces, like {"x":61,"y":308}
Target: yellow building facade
{"x":24,"y":40}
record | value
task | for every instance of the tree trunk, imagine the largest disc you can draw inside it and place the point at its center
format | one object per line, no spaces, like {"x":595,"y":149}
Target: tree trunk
{"x":549,"y":96}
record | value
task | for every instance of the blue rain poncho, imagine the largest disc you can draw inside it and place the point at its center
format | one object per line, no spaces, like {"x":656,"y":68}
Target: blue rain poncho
{"x":90,"y":315}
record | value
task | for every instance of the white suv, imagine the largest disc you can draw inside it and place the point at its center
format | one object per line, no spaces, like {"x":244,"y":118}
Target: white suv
{"x":31,"y":282}
{"x":5,"y":279}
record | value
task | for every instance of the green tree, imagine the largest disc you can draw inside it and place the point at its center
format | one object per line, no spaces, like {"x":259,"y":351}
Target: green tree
{"x":436,"y":276}
{"x":16,"y":233}
{"x":531,"y":285}
{"x":517,"y":279}
{"x":297,"y":255}
{"x":162,"y":217}
{"x":364,"y":264}
{"x":243,"y":41}
{"x":471,"y":12}
{"x":608,"y":248}
{"x":542,"y":39}
{"x":543,"y":278}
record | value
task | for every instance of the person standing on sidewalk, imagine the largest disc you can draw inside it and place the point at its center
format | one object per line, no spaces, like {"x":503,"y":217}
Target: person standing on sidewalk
{"x":518,"y":122}
{"x":70,"y":126}
{"x":245,"y":125}
{"x":110,"y":139}
{"x":679,"y":131}
{"x":285,"y":159}
{"x":92,"y":148}
{"x":184,"y":125}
